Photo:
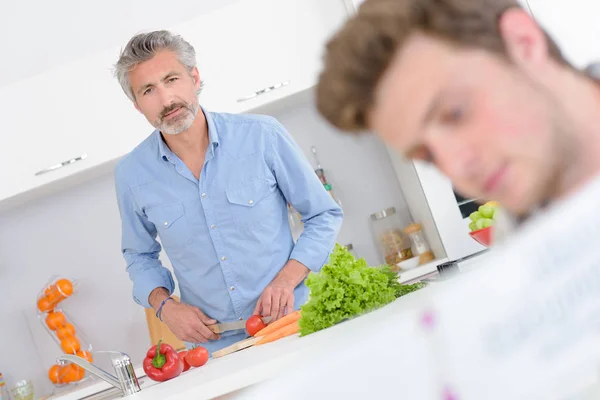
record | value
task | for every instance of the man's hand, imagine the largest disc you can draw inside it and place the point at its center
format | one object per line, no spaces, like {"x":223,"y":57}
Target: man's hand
{"x":278,"y":297}
{"x":188,"y":323}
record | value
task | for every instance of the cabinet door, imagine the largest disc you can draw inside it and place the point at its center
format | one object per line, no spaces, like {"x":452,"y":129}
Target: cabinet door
{"x":573,"y":25}
{"x":432,"y":202}
{"x":65,"y":121}
{"x":74,"y":118}
{"x":253,"y":52}
{"x":452,"y":227}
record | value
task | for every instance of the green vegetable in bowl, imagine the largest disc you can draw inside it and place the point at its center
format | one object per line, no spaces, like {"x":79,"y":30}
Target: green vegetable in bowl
{"x":475,"y":215}
{"x":347,"y":287}
{"x":486,"y":211}
{"x":484,"y":217}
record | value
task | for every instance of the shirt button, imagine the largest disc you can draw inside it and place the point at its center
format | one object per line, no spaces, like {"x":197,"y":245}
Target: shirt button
{"x":232,"y":288}
{"x":203,"y":194}
{"x":223,"y":258}
{"x":166,"y":223}
{"x":212,"y":227}
{"x":250,"y":202}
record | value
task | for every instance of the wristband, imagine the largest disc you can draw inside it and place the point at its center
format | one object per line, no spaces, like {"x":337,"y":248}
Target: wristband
{"x":159,"y":311}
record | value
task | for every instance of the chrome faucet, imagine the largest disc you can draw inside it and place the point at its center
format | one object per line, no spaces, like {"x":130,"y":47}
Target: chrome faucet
{"x":126,"y":380}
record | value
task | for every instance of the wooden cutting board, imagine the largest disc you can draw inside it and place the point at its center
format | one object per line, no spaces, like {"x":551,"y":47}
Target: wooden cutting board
{"x":242,"y":344}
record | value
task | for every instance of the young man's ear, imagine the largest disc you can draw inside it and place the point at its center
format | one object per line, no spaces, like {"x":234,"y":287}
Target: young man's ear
{"x":524,"y":40}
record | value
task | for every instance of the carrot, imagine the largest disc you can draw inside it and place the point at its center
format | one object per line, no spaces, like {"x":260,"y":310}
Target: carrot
{"x":280,"y":323}
{"x":287,"y":330}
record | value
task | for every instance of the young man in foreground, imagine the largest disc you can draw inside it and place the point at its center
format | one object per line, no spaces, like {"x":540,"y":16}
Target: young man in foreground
{"x":475,"y":87}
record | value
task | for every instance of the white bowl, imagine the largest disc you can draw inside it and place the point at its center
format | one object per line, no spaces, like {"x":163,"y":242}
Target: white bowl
{"x":409,"y":264}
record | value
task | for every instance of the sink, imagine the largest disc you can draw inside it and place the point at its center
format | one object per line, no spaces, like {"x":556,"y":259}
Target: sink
{"x":114,"y":393}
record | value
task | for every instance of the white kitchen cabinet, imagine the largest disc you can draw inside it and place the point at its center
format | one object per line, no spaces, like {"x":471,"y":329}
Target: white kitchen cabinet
{"x":76,"y":112}
{"x":431,"y":201}
{"x":254,"y":52}
{"x":573,"y":25}
{"x":77,"y":115}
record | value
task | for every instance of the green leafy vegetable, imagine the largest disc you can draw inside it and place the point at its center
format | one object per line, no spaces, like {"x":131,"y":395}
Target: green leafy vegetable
{"x":347,"y":287}
{"x":400,"y":289}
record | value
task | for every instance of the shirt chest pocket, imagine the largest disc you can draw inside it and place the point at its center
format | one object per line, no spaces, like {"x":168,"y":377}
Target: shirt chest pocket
{"x":171,"y":225}
{"x":250,"y":202}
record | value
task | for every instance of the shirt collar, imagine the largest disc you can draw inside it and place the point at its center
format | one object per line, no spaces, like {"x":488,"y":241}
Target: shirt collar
{"x":167,"y":155}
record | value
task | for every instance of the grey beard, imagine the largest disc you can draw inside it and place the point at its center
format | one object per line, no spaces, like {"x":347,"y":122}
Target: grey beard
{"x":181,"y":124}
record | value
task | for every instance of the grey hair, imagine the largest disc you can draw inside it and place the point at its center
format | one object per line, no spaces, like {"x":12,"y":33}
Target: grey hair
{"x":142,"y":47}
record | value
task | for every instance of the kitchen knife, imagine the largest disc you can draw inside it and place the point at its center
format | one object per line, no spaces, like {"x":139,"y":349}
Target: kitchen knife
{"x":233,"y":326}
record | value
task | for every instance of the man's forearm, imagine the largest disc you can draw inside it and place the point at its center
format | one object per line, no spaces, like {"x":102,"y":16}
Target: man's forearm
{"x":157,"y":296}
{"x":292,"y":273}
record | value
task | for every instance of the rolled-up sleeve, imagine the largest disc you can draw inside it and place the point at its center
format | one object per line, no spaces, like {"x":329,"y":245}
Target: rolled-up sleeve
{"x":321,"y":215}
{"x":139,"y":246}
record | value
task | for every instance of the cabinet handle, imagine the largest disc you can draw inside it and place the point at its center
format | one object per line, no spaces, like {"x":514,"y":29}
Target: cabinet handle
{"x":263,"y":91}
{"x":62,"y":164}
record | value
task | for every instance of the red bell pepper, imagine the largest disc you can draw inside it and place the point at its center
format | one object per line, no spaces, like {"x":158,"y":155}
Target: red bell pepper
{"x":162,"y":364}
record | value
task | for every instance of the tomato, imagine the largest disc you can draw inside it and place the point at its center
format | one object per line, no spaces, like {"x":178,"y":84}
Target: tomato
{"x":197,"y":357}
{"x":182,"y":355}
{"x":254,"y":324}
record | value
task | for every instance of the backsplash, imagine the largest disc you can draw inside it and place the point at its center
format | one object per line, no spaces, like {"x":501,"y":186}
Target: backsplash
{"x":76,"y":234}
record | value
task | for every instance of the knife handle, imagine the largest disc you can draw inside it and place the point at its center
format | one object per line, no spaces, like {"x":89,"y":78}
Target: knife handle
{"x":214,"y":328}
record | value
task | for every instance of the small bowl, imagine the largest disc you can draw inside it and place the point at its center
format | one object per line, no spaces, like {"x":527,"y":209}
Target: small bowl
{"x":409,"y":264}
{"x":483,"y":236}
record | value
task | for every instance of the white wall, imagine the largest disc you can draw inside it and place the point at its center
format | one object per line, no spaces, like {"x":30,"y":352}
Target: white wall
{"x":359,"y":169}
{"x":75,"y":233}
{"x":573,"y":25}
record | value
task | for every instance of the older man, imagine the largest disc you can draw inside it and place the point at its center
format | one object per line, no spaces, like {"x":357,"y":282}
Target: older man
{"x":214,"y":187}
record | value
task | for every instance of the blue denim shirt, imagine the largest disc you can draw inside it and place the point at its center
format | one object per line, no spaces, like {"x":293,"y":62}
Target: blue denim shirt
{"x":227,"y":234}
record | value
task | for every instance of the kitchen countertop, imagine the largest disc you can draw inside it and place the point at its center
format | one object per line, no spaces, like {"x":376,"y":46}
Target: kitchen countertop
{"x":230,"y":374}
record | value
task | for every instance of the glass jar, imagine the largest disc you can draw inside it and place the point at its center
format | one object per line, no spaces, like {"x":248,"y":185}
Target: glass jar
{"x":394,"y":244}
{"x":419,"y":245}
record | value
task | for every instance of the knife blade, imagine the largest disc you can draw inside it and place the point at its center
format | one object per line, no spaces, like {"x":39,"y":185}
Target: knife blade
{"x":233,"y":326}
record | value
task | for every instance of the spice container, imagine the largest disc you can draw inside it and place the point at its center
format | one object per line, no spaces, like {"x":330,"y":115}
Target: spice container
{"x":419,"y":245}
{"x":393,"y":243}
